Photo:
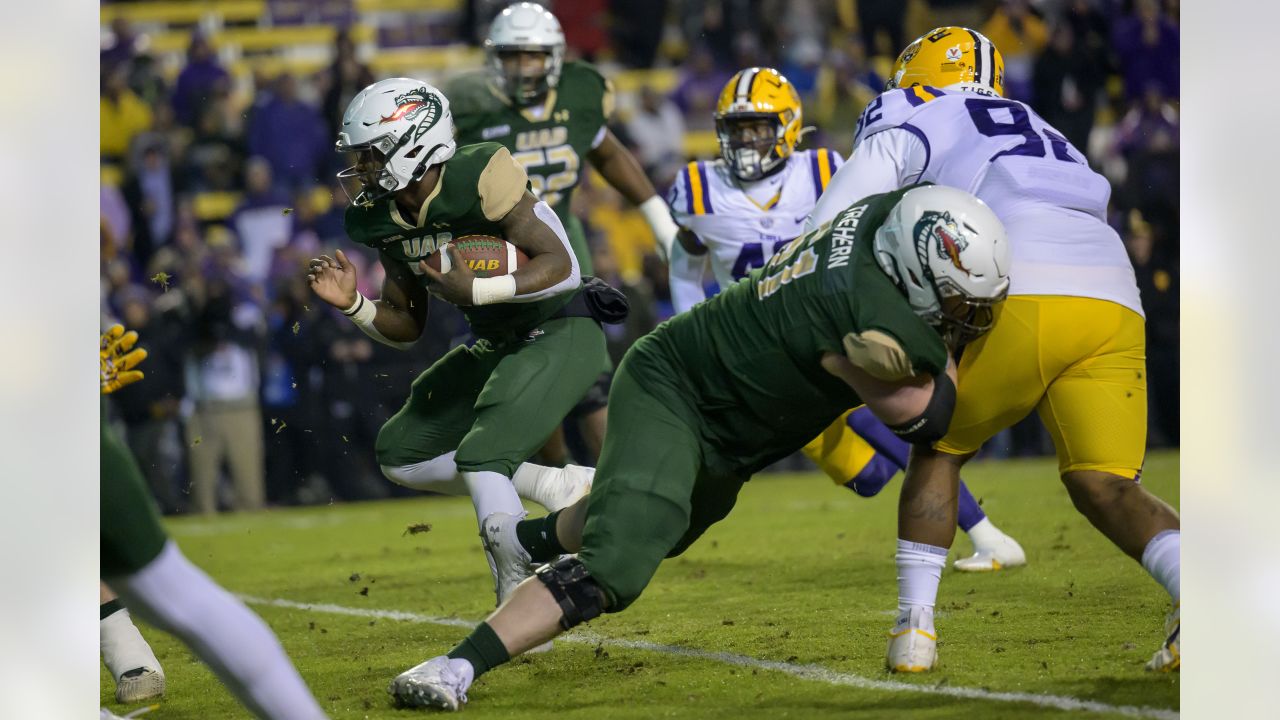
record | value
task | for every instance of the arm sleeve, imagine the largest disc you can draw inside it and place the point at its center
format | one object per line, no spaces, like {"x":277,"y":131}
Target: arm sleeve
{"x":882,"y":162}
{"x":501,"y":185}
{"x":685,"y":275}
{"x":574,"y":279}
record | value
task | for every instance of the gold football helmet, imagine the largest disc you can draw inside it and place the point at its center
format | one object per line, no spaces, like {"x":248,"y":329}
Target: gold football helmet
{"x":949,"y":55}
{"x":758,"y":122}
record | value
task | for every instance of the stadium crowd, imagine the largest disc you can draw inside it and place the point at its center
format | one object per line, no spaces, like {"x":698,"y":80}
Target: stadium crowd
{"x":218,"y":184}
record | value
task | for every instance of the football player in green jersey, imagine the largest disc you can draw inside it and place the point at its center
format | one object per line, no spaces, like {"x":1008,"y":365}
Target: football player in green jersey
{"x":552,"y":115}
{"x":861,"y":310}
{"x":486,"y":407}
{"x":155,"y":581}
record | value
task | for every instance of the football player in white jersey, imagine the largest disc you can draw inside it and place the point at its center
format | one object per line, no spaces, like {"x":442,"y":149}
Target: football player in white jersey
{"x":735,"y":213}
{"x":1069,"y":341}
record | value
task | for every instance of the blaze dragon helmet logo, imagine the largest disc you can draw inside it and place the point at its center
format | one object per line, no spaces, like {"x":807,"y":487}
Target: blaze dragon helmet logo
{"x":412,"y":104}
{"x":938,"y":232}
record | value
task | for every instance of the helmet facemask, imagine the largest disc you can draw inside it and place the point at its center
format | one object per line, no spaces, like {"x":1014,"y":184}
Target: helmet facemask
{"x":373,"y":171}
{"x":749,"y":144}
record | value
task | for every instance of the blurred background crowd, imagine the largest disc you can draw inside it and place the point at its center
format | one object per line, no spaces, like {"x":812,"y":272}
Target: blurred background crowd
{"x":217,"y":127}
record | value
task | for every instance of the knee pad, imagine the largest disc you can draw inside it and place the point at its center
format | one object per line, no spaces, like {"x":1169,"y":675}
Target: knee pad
{"x":580,"y":597}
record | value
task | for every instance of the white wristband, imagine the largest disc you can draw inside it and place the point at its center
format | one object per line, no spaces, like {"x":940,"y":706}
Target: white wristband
{"x":658,"y":215}
{"x":490,"y":290}
{"x":362,"y":311}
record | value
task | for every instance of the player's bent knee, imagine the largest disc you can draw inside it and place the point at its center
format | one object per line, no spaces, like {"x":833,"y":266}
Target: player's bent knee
{"x":1091,"y":490}
{"x":437,"y":474}
{"x":578,"y":594}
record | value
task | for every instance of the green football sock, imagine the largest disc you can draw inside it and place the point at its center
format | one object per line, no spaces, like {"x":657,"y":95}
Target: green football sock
{"x":538,"y":537}
{"x":482,"y":649}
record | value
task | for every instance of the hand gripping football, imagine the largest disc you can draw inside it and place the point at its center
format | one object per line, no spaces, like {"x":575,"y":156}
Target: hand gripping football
{"x":487,"y":256}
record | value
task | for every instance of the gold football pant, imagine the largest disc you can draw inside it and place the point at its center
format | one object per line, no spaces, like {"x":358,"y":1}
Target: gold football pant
{"x":1080,"y":362}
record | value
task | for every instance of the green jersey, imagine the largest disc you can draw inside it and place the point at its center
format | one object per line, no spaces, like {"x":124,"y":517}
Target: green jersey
{"x":550,"y":140}
{"x":747,"y":363}
{"x":477,"y":187}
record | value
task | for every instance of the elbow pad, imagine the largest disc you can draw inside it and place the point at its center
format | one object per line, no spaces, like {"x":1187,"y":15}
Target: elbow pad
{"x":931,"y":425}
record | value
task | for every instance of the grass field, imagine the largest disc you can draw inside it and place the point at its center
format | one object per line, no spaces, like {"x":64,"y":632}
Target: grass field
{"x":780,"y":611}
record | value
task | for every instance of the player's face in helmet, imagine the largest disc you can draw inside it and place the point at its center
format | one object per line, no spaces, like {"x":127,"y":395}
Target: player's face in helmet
{"x":750,"y":139}
{"x":524,"y":74}
{"x":367,"y":171}
{"x":965,"y":319}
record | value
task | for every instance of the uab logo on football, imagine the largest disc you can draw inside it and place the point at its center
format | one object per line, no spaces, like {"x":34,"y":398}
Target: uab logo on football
{"x":937,"y":231}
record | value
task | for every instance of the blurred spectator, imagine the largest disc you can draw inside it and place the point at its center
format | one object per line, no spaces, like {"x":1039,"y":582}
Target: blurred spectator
{"x":1157,"y":273}
{"x":122,"y":114}
{"x":1019,"y":35}
{"x":225,"y":423}
{"x":261,"y":221}
{"x":1066,"y":84}
{"x":215,"y":156}
{"x":119,"y":45}
{"x":1091,"y":31}
{"x":699,"y":87}
{"x":640,"y":318}
{"x":344,"y":78}
{"x":657,"y":131}
{"x":585,"y":24}
{"x":291,"y":135}
{"x":200,"y":80}
{"x":721,"y":27}
{"x":150,"y":409}
{"x":150,"y":192}
{"x":881,"y":25}
{"x":1146,"y":45}
{"x":637,"y":27}
{"x":1147,"y":137}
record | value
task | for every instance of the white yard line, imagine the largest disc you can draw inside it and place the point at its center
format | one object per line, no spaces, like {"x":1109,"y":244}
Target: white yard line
{"x":816,"y":673}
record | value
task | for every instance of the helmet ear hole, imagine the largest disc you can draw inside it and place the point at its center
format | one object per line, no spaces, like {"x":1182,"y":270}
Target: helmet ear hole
{"x":414,"y":152}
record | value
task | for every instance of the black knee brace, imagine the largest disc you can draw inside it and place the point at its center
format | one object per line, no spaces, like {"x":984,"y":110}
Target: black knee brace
{"x":580,"y":597}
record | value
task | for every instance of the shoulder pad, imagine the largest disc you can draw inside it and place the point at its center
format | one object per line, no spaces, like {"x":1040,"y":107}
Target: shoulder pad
{"x":893,"y":108}
{"x":581,"y":71}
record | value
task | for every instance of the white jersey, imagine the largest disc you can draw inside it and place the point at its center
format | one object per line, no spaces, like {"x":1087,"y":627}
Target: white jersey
{"x":1054,"y":208}
{"x":741,"y":227}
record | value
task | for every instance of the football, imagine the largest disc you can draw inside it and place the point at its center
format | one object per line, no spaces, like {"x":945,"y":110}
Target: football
{"x":487,"y":256}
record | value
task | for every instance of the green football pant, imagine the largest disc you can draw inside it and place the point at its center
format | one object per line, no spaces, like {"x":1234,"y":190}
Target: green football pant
{"x":652,"y":496}
{"x":131,"y":535}
{"x":496,"y":403}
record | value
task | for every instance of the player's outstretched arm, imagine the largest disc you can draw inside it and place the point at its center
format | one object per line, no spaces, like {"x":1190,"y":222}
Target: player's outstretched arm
{"x":396,"y":320}
{"x":620,"y":169}
{"x":685,"y":273}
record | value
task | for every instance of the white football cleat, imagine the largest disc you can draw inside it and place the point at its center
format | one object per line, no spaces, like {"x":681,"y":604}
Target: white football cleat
{"x":913,"y":643}
{"x":1169,"y":657}
{"x":996,"y":552}
{"x":439,"y":683}
{"x":139,"y":684}
{"x":507,"y":557}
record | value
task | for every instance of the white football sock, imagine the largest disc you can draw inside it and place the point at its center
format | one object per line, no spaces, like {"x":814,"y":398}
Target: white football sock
{"x":123,"y":647}
{"x":919,"y":572}
{"x":439,"y":474}
{"x":1162,"y":557}
{"x":550,"y":487}
{"x":492,"y":492}
{"x":177,"y":597}
{"x":985,"y":535}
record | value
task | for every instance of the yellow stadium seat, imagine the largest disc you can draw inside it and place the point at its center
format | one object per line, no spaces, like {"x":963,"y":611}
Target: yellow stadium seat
{"x":215,"y":205}
{"x":277,"y":38}
{"x":701,"y":144}
{"x":408,"y":60}
{"x":186,"y":12}
{"x":664,"y":80}
{"x":408,"y":6}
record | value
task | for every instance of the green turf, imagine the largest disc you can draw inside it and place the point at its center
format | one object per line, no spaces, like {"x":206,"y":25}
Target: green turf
{"x":801,"y":572}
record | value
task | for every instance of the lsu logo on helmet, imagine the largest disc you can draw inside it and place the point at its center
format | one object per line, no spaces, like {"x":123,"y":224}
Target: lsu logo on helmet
{"x":753,"y":95}
{"x":949,"y":55}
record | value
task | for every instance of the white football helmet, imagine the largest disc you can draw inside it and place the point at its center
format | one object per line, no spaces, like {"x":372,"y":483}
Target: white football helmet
{"x":526,"y":27}
{"x":939,"y":243}
{"x":398,"y":127}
